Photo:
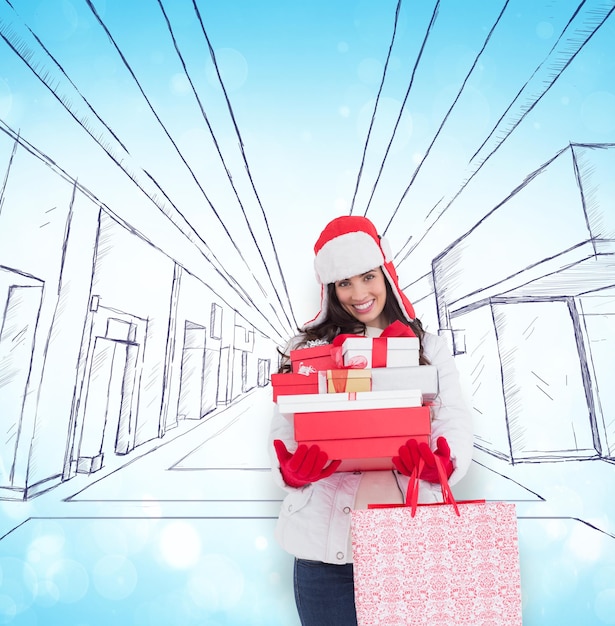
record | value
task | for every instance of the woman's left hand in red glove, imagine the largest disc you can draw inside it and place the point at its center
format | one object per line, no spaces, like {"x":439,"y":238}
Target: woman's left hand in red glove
{"x":412,"y":451}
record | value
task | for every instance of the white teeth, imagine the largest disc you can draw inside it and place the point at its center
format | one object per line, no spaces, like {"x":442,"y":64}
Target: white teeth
{"x":361,"y":307}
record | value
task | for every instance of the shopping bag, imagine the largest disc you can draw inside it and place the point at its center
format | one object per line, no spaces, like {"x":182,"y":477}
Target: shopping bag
{"x":445,"y":564}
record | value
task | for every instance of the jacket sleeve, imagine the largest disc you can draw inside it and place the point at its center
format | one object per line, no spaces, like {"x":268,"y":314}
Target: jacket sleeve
{"x":451,"y":415}
{"x":281,"y":428}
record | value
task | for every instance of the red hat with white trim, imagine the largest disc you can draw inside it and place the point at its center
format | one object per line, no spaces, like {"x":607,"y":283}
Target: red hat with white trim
{"x":350,"y":245}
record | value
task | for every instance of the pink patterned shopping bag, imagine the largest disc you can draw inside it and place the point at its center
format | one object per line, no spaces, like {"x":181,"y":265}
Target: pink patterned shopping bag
{"x":426,"y":564}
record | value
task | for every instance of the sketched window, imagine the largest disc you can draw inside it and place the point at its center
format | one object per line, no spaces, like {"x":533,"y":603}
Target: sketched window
{"x":215,"y":321}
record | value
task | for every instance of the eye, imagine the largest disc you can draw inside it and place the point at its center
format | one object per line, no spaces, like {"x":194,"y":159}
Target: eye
{"x":369,"y":276}
{"x":343,"y":283}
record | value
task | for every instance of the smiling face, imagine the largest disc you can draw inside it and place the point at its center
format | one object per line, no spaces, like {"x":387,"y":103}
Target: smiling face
{"x":364,"y":297}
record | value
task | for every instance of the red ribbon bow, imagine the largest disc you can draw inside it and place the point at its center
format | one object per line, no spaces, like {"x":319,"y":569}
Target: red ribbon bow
{"x":398,"y":329}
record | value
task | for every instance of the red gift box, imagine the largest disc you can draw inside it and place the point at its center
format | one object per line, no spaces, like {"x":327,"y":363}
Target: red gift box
{"x":291,"y":384}
{"x":311,"y":360}
{"x":405,"y":421}
{"x":364,"y":439}
{"x":364,"y":455}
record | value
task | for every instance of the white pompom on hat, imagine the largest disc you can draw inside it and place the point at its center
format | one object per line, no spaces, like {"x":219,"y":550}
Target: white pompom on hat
{"x":350,"y":245}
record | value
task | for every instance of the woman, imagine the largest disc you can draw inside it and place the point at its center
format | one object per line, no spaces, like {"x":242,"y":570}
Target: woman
{"x":360,"y":295}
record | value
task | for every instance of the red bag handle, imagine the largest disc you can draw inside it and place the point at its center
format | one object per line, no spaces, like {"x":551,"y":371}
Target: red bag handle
{"x":412,"y":495}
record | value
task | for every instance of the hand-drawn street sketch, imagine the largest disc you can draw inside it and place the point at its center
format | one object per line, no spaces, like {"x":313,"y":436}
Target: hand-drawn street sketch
{"x":165,"y":168}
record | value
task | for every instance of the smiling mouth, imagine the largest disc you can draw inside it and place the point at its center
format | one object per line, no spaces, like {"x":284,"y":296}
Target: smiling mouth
{"x":363,"y":307}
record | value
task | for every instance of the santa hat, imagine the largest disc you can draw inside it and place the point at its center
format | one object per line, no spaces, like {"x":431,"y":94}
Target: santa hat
{"x":350,"y":245}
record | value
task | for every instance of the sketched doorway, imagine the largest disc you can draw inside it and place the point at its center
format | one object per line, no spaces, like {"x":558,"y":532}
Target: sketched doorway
{"x":108,"y":419}
{"x":18,"y":324}
{"x":198,"y":384}
{"x":544,"y":379}
{"x":600,"y":329}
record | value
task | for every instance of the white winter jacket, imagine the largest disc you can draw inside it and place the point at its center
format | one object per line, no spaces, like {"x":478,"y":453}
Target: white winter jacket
{"x":314,"y":521}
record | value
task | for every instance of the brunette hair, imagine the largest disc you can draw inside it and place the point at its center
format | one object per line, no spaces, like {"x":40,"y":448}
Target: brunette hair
{"x":338,"y":321}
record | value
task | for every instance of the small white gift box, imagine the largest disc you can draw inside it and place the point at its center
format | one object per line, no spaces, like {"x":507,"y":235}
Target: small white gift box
{"x":381,"y":351}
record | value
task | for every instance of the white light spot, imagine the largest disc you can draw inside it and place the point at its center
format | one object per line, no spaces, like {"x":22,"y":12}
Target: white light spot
{"x":544,"y":30}
{"x":233,"y":69}
{"x":44,"y":546}
{"x":261,"y":543}
{"x":67,"y":580}
{"x":180,"y":545}
{"x":341,"y":205}
{"x":180,"y":84}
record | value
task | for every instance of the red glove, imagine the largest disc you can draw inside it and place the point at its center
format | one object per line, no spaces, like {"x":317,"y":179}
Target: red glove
{"x":412,"y":451}
{"x":306,"y":465}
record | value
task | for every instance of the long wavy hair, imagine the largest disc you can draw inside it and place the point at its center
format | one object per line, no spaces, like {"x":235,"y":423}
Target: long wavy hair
{"x":338,"y":321}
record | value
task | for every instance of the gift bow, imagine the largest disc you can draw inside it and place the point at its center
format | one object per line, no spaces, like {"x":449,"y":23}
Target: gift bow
{"x":355,"y":363}
{"x":379,"y":346}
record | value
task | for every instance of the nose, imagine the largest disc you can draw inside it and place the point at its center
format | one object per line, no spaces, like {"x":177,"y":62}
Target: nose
{"x":359,"y":292}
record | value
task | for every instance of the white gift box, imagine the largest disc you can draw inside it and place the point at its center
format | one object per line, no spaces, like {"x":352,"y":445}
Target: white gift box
{"x":421,"y":377}
{"x":381,"y":351}
{"x":348,"y":401}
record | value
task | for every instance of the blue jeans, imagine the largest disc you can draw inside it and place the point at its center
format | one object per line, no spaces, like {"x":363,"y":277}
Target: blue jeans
{"x":324,"y":594}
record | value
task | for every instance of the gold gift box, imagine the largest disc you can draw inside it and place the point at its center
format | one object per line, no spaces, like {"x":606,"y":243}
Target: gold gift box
{"x":349,"y":380}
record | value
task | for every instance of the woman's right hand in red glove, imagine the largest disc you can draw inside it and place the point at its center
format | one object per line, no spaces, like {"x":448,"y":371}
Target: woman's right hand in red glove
{"x":306,"y":465}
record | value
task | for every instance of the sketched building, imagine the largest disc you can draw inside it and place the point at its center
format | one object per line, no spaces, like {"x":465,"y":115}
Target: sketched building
{"x":106,"y":341}
{"x":533,"y":309}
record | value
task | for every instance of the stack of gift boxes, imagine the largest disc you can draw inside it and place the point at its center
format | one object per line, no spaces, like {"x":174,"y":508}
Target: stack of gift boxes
{"x":359,"y":399}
